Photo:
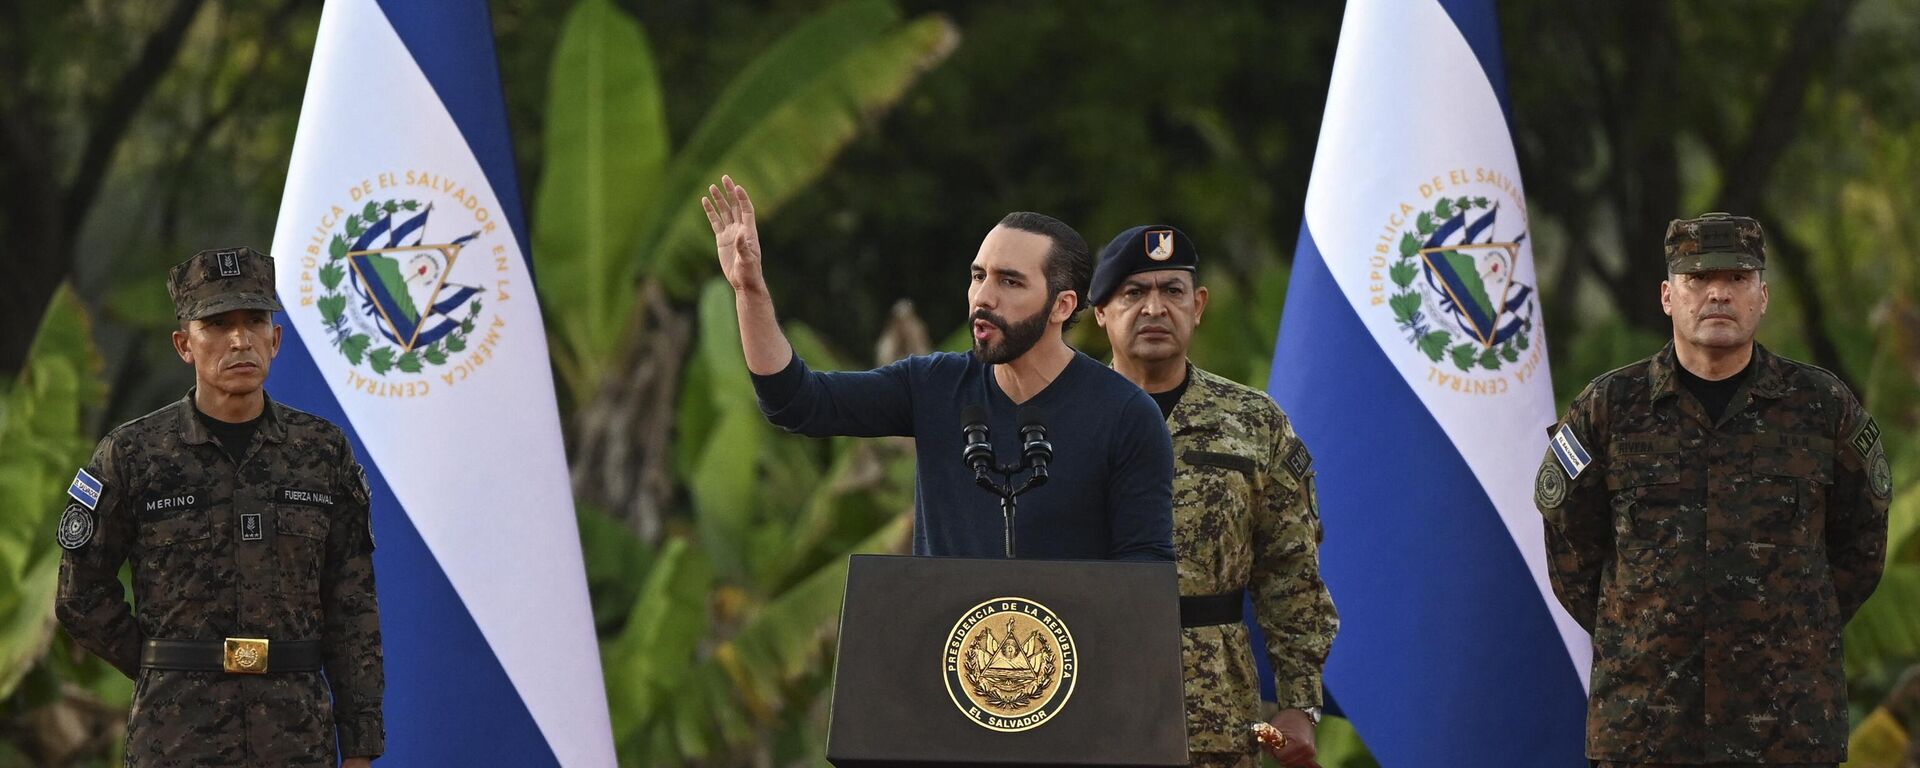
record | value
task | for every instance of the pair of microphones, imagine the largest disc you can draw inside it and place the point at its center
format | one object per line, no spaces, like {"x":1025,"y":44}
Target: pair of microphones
{"x":1035,"y":451}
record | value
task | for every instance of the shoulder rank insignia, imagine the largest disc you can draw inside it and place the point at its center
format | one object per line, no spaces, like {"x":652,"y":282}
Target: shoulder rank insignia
{"x":1572,"y":455}
{"x":85,"y":489}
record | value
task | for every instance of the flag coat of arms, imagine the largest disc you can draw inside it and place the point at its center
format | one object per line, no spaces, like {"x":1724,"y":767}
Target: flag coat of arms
{"x":411,"y":322}
{"x":1412,"y":359}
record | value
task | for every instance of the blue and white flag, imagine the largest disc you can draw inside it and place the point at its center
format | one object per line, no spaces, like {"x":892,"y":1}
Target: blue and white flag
{"x":1413,"y":363}
{"x":412,"y":323}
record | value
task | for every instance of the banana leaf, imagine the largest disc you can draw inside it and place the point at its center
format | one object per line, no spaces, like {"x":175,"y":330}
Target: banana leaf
{"x":614,"y":201}
{"x":606,"y":143}
{"x":42,"y":442}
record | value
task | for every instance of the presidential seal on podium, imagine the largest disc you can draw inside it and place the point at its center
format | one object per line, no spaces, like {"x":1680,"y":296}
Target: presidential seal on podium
{"x":1009,"y":664}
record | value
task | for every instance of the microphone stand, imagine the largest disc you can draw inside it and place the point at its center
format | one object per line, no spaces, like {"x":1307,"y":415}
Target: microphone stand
{"x":1007,"y":492}
{"x":1035,"y":453}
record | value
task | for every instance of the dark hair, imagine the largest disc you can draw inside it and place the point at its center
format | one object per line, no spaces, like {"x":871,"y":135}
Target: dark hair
{"x":1069,"y":263}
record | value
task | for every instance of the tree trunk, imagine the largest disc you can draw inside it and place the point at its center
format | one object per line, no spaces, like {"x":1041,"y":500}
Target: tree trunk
{"x":44,"y":212}
{"x":623,"y":438}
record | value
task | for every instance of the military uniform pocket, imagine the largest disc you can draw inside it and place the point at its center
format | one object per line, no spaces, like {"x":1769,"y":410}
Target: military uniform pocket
{"x":1239,"y":464}
{"x":1787,"y":500}
{"x":1645,"y":499}
{"x":1221,"y":478}
{"x":171,"y":563}
{"x":300,"y":547}
{"x":1211,"y":508}
{"x":300,"y":521}
{"x":1785,"y":496}
{"x":185,"y":526}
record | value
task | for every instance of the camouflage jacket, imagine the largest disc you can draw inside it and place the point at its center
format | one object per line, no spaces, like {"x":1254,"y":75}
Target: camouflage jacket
{"x":1716,"y":563}
{"x":275,"y":546}
{"x":1244,"y":516}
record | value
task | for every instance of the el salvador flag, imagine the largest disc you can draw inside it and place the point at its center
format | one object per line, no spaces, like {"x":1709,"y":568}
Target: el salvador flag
{"x":1413,"y":362}
{"x":412,"y":323}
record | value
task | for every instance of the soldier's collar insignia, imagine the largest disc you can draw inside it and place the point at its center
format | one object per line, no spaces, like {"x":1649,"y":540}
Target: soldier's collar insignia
{"x":1572,"y":455}
{"x":1159,"y":244}
{"x":1764,"y":377}
{"x":86,"y":489}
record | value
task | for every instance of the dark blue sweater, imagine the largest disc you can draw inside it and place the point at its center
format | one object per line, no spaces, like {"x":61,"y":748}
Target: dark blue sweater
{"x":1110,"y":493}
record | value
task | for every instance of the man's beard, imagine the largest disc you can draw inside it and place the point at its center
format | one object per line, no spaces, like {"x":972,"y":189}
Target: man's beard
{"x":1015,"y":338}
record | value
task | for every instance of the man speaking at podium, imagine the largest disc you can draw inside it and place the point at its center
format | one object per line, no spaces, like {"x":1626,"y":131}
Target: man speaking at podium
{"x":1110,"y":476}
{"x":1244,"y":518}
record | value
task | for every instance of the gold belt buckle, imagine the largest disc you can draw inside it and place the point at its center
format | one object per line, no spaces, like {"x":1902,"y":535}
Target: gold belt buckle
{"x":245,"y":656}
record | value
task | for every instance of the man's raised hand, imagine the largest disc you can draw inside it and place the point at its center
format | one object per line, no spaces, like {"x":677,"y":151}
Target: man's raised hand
{"x":735,"y":235}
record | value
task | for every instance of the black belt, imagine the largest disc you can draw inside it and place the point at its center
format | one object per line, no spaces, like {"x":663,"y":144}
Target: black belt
{"x":1208,"y":610}
{"x":235,"y":655}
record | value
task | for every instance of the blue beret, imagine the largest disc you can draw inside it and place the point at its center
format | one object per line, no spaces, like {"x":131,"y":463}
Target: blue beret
{"x":1141,"y":249}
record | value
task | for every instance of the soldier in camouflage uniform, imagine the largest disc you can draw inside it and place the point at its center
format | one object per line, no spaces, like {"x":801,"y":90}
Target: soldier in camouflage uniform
{"x":1244,"y":514}
{"x":1714,"y":515}
{"x":254,"y":638}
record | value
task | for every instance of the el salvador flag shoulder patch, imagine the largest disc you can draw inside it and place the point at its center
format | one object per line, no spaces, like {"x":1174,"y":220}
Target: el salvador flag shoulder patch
{"x":85,"y":489}
{"x":1572,"y":455}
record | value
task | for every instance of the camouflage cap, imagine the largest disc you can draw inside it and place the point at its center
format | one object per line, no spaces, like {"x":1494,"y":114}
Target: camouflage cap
{"x":1714,"y":241}
{"x":221,"y":280}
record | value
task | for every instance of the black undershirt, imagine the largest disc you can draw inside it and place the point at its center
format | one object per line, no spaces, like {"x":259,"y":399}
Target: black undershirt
{"x":233,"y":438}
{"x":1714,"y":396}
{"x":1170,"y":398}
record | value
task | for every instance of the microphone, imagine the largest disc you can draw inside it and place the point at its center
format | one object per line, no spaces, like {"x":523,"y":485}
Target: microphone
{"x":1034,"y":448}
{"x":978,"y":452}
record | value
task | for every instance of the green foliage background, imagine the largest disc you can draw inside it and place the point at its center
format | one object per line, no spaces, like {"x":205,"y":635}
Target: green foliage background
{"x":881,"y":140}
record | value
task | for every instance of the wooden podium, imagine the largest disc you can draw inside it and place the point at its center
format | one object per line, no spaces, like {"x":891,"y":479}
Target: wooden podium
{"x":954,"y":661}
